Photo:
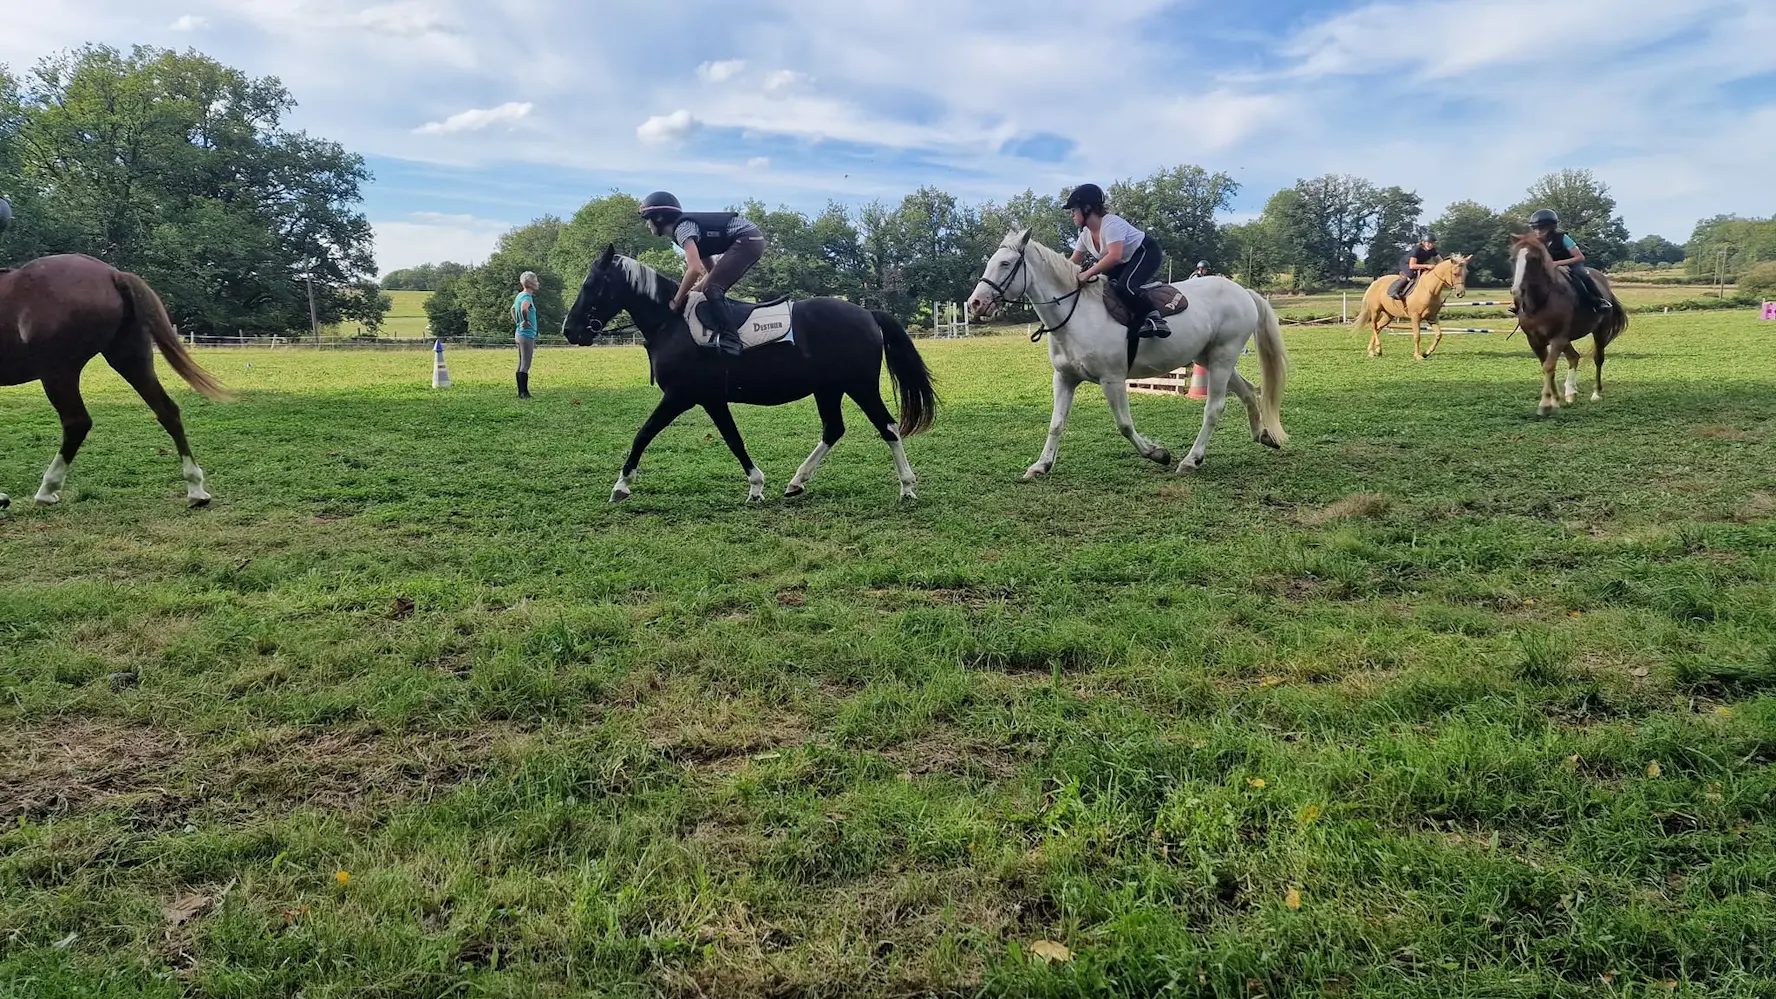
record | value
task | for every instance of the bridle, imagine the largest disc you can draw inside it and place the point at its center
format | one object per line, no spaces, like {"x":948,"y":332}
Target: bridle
{"x":1002,"y":295}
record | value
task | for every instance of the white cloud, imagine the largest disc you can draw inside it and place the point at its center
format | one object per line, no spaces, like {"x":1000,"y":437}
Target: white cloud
{"x":717,"y":72}
{"x":189,"y":22}
{"x":433,"y":237}
{"x":410,"y":19}
{"x":667,"y":128}
{"x":759,"y":163}
{"x":784,"y":79}
{"x":475,"y":119}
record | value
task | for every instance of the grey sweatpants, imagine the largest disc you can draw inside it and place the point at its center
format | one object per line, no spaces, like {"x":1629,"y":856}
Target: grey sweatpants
{"x":527,"y":346}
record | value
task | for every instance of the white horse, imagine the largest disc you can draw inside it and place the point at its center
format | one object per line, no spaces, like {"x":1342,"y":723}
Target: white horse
{"x":1086,"y":344}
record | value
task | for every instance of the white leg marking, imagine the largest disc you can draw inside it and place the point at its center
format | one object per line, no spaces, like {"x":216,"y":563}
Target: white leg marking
{"x":1572,"y":385}
{"x":755,"y":485}
{"x":195,"y":494}
{"x":50,"y":492}
{"x":621,"y":490}
{"x":799,"y":483}
{"x":902,"y":467}
{"x":1064,"y":388}
{"x":5,"y":501}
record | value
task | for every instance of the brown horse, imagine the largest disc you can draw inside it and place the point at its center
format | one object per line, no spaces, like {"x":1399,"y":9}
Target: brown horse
{"x":1553,"y":316}
{"x":56,"y":314}
{"x":1424,"y":303}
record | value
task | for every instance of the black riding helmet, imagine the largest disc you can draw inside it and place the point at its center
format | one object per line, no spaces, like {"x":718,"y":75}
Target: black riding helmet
{"x":1087,"y":198}
{"x":661,"y":209}
{"x":5,"y":214}
{"x":1544,"y":217}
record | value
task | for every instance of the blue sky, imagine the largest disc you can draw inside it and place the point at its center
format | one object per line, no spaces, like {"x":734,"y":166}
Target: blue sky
{"x":476,"y":115}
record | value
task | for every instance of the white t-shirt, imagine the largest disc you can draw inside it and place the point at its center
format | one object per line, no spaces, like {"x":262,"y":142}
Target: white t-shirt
{"x":1113,"y":229}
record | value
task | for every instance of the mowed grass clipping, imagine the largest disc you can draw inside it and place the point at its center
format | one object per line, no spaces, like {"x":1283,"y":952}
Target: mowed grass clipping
{"x":1442,"y":700}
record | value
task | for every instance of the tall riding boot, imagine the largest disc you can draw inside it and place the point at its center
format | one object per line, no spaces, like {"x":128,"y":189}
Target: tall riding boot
{"x":1155,"y":326}
{"x":727,"y":339}
{"x":523,"y":384}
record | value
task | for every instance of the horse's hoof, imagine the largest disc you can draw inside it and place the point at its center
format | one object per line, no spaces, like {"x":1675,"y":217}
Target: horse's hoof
{"x":1185,"y":466}
{"x":794,"y":490}
{"x":5,"y":501}
{"x":47,"y":499}
{"x":1034,"y":471}
{"x":1269,"y":441}
{"x":908,"y":494}
{"x":1163,"y":456}
{"x":619,"y":495}
{"x":1595,"y":397}
{"x":197,"y":502}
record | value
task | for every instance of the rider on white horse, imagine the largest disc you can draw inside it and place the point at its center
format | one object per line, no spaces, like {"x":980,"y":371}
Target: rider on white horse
{"x":1126,"y":255}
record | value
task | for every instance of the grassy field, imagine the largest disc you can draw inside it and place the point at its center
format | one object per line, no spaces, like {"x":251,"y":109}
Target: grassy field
{"x":1442,"y":700}
{"x":1632,"y":295}
{"x":406,"y":318}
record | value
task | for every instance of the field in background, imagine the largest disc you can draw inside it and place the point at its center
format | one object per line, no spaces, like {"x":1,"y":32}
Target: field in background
{"x":1442,"y":700}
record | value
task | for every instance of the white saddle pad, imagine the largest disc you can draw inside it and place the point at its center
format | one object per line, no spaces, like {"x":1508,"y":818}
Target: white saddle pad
{"x":767,"y":325}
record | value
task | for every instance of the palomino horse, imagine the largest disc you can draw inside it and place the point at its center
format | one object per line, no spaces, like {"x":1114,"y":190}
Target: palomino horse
{"x":56,"y":314}
{"x":1088,"y":344}
{"x":837,"y":351}
{"x":1424,"y":303}
{"x":1553,"y":316}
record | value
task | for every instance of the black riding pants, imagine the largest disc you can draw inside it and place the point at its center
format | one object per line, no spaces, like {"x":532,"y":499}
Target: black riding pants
{"x":731,"y":266}
{"x":1134,"y":271}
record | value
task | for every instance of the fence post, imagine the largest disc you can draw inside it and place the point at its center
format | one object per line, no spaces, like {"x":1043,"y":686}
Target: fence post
{"x":1346,"y":311}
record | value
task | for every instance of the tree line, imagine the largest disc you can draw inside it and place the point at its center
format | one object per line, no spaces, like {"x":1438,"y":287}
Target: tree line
{"x":180,"y":169}
{"x":929,"y":247}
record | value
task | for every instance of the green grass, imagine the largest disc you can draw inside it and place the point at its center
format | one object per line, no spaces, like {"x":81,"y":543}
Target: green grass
{"x":1494,"y":695}
{"x":1643,"y":296}
{"x":406,"y":318}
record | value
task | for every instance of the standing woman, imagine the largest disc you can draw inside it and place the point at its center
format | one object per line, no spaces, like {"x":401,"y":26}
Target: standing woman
{"x":524,"y":316}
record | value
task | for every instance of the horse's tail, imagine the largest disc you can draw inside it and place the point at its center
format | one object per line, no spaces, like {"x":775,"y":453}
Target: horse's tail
{"x":912,"y":380}
{"x":1612,"y":324}
{"x":152,"y":317}
{"x":1365,"y":313}
{"x":1274,"y":361}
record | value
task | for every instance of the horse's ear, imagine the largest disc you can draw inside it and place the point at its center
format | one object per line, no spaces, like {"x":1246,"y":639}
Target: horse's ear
{"x":1024,"y":239}
{"x":610,"y":251}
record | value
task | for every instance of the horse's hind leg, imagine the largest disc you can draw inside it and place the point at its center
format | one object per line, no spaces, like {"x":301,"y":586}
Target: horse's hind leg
{"x":63,"y":389}
{"x":132,"y":358}
{"x":724,"y":423}
{"x":832,"y":427}
{"x":1571,"y":393}
{"x":1248,"y":395}
{"x":1117,"y":395}
{"x":869,"y":398}
{"x":1597,"y":359}
{"x":1218,"y":377}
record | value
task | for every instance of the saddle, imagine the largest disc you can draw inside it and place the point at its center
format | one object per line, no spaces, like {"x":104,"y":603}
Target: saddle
{"x":1168,"y":299}
{"x":758,"y":323}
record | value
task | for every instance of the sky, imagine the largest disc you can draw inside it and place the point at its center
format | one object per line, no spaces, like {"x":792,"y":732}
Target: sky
{"x":478,"y":115}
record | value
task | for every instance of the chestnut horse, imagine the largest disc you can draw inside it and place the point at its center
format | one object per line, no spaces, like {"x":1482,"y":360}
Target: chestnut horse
{"x":59,"y":312}
{"x":1553,"y":315}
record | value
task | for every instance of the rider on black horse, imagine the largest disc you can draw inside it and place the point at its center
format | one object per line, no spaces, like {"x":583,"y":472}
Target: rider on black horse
{"x":732,"y":242}
{"x":1567,"y":254}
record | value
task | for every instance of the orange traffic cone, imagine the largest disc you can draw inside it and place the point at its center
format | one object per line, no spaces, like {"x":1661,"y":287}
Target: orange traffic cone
{"x":1199,"y":383}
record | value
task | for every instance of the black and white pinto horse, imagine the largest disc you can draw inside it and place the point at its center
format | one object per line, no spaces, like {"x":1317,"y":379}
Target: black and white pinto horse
{"x":838,"y":351}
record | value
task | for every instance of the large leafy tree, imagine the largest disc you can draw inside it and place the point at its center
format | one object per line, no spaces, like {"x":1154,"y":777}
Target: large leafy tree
{"x":180,"y":168}
{"x":1472,"y":228}
{"x":1587,"y":212}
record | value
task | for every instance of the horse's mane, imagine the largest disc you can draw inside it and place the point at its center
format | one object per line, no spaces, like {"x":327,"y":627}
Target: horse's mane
{"x":1059,"y":265}
{"x":645,"y":280}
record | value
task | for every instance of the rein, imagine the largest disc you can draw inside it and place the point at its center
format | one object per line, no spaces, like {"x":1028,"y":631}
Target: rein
{"x":1002,"y":293}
